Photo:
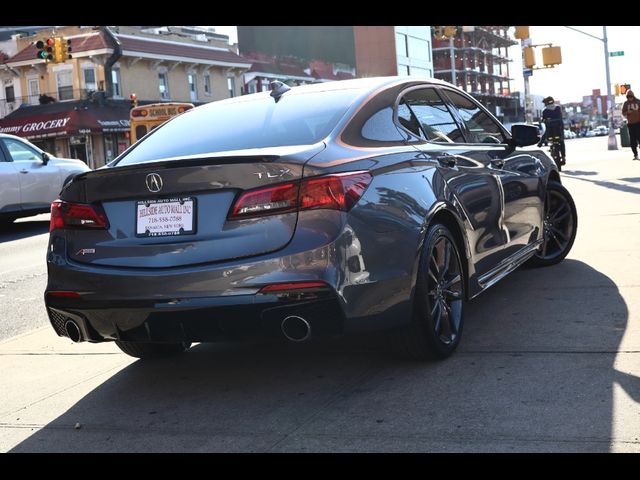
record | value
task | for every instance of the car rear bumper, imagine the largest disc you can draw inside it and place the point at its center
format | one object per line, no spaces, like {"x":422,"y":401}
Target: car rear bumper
{"x":197,"y":319}
{"x":207,"y":302}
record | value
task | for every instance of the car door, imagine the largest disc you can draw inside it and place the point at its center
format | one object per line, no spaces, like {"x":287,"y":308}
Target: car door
{"x":39,"y":183}
{"x":469,"y":183}
{"x":9,"y":185}
{"x":519,"y":172}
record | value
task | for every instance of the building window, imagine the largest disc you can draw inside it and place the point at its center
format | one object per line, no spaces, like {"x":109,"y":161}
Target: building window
{"x":115,"y":80}
{"x":207,"y":84}
{"x":164,"y":85}
{"x":193,"y":92}
{"x":33,"y":88}
{"x":231,"y":86}
{"x":90,"y":78}
{"x":418,"y":49}
{"x":9,"y":93}
{"x":401,"y":45}
{"x":65,"y":85}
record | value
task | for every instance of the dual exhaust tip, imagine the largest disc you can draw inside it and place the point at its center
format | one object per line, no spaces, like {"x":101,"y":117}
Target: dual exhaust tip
{"x":294,"y":328}
{"x":73,"y":331}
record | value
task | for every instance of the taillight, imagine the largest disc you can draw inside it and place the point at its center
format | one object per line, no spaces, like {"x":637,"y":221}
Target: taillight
{"x":76,"y":215}
{"x":336,"y":192}
{"x":277,"y":199}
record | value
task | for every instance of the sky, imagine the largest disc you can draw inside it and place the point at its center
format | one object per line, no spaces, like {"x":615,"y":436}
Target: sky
{"x":583,"y":61}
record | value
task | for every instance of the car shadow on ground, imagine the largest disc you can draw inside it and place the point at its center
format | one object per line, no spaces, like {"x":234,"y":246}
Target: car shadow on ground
{"x":535,"y":372}
{"x":24,"y":229}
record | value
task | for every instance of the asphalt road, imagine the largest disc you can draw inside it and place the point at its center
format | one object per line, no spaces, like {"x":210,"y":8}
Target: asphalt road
{"x":23,"y":275}
{"x":549,"y":361}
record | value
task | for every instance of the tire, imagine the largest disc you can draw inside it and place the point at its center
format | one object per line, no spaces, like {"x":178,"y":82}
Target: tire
{"x":436,"y":326}
{"x":560,"y":226}
{"x":152,"y":350}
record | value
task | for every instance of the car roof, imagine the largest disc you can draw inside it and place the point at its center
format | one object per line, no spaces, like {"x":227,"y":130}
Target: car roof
{"x":364,"y":85}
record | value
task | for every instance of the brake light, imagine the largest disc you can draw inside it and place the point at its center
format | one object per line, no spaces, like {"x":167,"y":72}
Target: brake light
{"x":278,"y":199}
{"x":76,"y":215}
{"x":335,"y":192}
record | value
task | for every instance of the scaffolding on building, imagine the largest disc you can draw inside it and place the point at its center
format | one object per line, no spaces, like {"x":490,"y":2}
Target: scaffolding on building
{"x":478,"y":62}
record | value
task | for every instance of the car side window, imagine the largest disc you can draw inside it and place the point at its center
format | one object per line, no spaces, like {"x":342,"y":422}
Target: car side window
{"x":380,"y":127}
{"x":20,"y":152}
{"x":433,"y":116}
{"x":482,"y":128}
{"x":408,"y":120}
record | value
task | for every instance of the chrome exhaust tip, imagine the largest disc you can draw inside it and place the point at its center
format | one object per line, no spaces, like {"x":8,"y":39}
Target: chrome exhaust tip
{"x":73,"y":331}
{"x":296,"y":328}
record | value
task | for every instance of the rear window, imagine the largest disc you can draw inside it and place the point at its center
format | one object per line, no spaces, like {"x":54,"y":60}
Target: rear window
{"x":252,"y":122}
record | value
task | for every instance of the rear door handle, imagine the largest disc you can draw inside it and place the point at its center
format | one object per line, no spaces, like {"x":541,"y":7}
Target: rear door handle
{"x":24,"y":171}
{"x":447,"y":160}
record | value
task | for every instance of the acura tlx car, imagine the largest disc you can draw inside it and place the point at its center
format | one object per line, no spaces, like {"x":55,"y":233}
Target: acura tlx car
{"x":368,"y":204}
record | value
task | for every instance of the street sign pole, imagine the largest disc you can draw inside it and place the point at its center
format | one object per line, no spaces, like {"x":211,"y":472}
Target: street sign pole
{"x":612,"y":141}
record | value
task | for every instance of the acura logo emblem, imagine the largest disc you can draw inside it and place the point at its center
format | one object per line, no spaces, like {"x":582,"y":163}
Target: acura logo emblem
{"x":154,"y":182}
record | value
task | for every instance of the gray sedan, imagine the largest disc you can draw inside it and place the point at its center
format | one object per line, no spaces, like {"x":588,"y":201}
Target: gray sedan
{"x":30,"y":179}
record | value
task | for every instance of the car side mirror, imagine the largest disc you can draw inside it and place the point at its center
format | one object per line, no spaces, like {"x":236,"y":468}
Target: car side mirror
{"x":45,"y":157}
{"x":523,"y":135}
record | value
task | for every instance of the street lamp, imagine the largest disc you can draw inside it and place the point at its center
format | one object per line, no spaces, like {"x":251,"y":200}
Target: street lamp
{"x":613,"y":141}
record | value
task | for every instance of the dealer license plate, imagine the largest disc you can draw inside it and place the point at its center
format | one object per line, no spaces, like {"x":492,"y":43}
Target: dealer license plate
{"x":169,"y":216}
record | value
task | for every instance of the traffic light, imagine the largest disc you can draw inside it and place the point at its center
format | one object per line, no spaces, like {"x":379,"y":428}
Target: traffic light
{"x":45,"y":49}
{"x":134,"y":100}
{"x":65,"y":49}
{"x":625,"y":88}
{"x":450,"y":31}
{"x":522,"y":33}
{"x":617,"y":88}
{"x":529,"y":57}
{"x":551,"y":56}
{"x":57,"y":50}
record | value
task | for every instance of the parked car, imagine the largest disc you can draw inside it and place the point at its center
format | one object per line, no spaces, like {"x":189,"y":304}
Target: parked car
{"x":601,"y":130}
{"x":368,"y":204}
{"x":30,"y":179}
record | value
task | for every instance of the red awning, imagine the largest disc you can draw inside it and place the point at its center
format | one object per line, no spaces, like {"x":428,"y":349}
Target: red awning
{"x":73,"y":122}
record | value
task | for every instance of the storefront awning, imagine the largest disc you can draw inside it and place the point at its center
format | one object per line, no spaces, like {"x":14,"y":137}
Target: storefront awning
{"x":77,"y":120}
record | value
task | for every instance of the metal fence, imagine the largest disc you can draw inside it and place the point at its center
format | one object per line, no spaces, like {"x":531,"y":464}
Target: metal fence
{"x":64,"y":94}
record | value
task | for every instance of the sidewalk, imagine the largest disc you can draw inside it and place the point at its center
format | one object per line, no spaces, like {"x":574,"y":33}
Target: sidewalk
{"x":550,"y":361}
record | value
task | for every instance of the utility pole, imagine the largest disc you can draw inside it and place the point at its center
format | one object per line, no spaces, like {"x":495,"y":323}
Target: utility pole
{"x":612,"y":141}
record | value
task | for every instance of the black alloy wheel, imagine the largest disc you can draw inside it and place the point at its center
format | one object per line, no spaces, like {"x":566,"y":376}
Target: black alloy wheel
{"x":560,"y":224}
{"x":436,"y":327}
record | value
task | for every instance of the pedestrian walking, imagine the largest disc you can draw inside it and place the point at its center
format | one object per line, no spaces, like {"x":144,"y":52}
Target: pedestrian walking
{"x":631,"y":111}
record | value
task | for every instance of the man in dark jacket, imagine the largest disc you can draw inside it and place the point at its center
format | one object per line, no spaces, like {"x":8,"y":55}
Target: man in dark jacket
{"x":552,"y":118}
{"x":631,"y":111}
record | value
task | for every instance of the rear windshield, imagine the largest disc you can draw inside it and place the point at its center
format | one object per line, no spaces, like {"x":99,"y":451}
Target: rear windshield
{"x":255,"y":121}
